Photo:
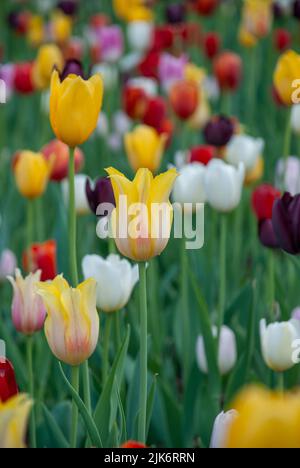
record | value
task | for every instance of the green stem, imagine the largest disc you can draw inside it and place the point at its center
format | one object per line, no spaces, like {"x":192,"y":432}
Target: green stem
{"x":74,"y":426}
{"x":117,"y":324}
{"x":30,"y":230}
{"x":87,"y":386}
{"x":106,"y":343}
{"x":222,"y":286}
{"x":271,"y":282}
{"x":185,"y":312}
{"x":281,"y":382}
{"x":72,"y":221}
{"x":39,"y":219}
{"x":143,"y":354}
{"x":251,"y":87}
{"x":31,"y":391}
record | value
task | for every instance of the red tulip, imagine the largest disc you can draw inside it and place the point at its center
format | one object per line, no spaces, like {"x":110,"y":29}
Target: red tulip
{"x":133,"y":444}
{"x":202,"y":154}
{"x":155,"y":113}
{"x":149,"y":65}
{"x":167,"y":128}
{"x":263,"y":199}
{"x":100,"y":20}
{"x":134,"y":102}
{"x":163,"y":38}
{"x":42,"y":257}
{"x":211,"y":44}
{"x":206,"y":7}
{"x":58,"y":154}
{"x":191,"y":33}
{"x":23,"y":82}
{"x":184,"y":98}
{"x":8,"y":384}
{"x":228,"y":70}
{"x":282,"y":39}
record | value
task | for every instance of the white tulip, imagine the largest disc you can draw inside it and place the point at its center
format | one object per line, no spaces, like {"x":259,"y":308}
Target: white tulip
{"x":130,"y":61}
{"x":223,"y":184}
{"x":227,"y":355}
{"x":189,"y":186}
{"x":221,"y":428}
{"x":109,"y":74}
{"x":277,"y":341}
{"x":81,"y":201}
{"x":139,"y":35}
{"x":149,"y":85}
{"x":289,"y":169}
{"x":295,"y":118}
{"x":244,"y":149}
{"x":121,"y":122}
{"x":115,"y":278}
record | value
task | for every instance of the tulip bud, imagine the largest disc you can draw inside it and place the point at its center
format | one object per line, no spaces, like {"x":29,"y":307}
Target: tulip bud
{"x":111,"y":43}
{"x":189,"y":186}
{"x":218,"y":131}
{"x":171,"y":70}
{"x":175,"y":13}
{"x":282,"y":39}
{"x":132,"y":444}
{"x":58,"y":154}
{"x":8,"y":384}
{"x":206,"y":7}
{"x":228,"y":70}
{"x":60,"y":27}
{"x":41,"y":257}
{"x":155,"y":112}
{"x":296,"y":313}
{"x":245,"y":149}
{"x":295,"y":118}
{"x":227,"y":354}
{"x":14,"y":416}
{"x":139,"y":35}
{"x":99,"y":193}
{"x":72,"y":323}
{"x":115,"y":279}
{"x":144,"y":148}
{"x":285,"y":220}
{"x":277,"y":343}
{"x":72,"y":67}
{"x":202,"y":154}
{"x":68,"y":7}
{"x":28,"y":311}
{"x":212,"y":43}
{"x":184,"y":98}
{"x":221,"y":428}
{"x":134,"y":102}
{"x":49,"y":57}
{"x":263,"y":199}
{"x":286,"y":72}
{"x":31,"y":174}
{"x":8,"y":263}
{"x":81,"y":201}
{"x":223,"y":185}
{"x":23,"y":81}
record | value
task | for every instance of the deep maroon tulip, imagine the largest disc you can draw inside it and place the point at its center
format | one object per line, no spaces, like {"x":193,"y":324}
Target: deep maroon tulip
{"x":277,"y":10}
{"x":219,"y":131}
{"x":175,"y":13}
{"x":8,"y":384}
{"x":69,"y":7}
{"x":266,"y":234}
{"x":100,"y":192}
{"x":296,"y":9}
{"x":286,"y":223}
{"x":72,"y":67}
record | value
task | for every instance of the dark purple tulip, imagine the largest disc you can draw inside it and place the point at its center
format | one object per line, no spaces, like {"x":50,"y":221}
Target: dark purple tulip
{"x":218,"y":131}
{"x":277,"y":10}
{"x":266,"y":234}
{"x":100,"y":192}
{"x":72,"y":67}
{"x":175,"y":13}
{"x":13,"y":19}
{"x":296,"y":9}
{"x":69,"y":7}
{"x":286,"y":223}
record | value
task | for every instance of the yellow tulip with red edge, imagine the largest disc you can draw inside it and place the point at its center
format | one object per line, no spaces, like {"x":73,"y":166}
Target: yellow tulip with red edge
{"x":75,"y":105}
{"x":14,"y":415}
{"x":287,"y":72}
{"x":32,"y":173}
{"x":145,"y":147}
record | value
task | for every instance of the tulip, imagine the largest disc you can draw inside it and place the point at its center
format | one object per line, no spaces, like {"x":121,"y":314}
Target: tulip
{"x":282,"y":39}
{"x":266,"y":419}
{"x":31,"y":174}
{"x":206,"y":7}
{"x":74,"y":107}
{"x":81,"y":201}
{"x":73,"y":49}
{"x":155,"y":112}
{"x":8,"y":263}
{"x":99,"y":193}
{"x":72,"y":323}
{"x":176,"y":13}
{"x":223,"y":185}
{"x":218,"y":131}
{"x":255,"y":174}
{"x":189,"y":186}
{"x":132,"y":10}
{"x":266,"y":234}
{"x":108,"y":74}
{"x":163,"y":37}
{"x":7,"y":74}
{"x":228,"y":70}
{"x":288,"y":171}
{"x":68,"y":7}
{"x":148,"y":239}
{"x":148,"y":85}
{"x":296,"y":313}
{"x":14,"y":415}
{"x":35,"y":30}
{"x":144,"y":148}
{"x":28,"y":311}
{"x":170,"y":70}
{"x":18,"y":21}
{"x":296,"y":9}
{"x":295,"y":118}
{"x":184,"y":98}
{"x":115,"y":279}
{"x":211,"y":44}
{"x":8,"y":384}
{"x":111,"y":43}
{"x":227,"y":354}
{"x":287,"y":71}
{"x":61,"y":27}
{"x":277,"y":343}
{"x":139,"y":35}
{"x":221,"y":428}
{"x":286,"y":223}
{"x":49,"y":57}
{"x":132,"y":444}
{"x":41,"y":257}
{"x":58,"y":154}
{"x":245,"y":149}
{"x":72,"y":67}
{"x":149,"y":65}
{"x":202,"y":154}
{"x":134,"y":102}
{"x":263,"y":199}
{"x":23,"y":80}
{"x":257,"y":17}
{"x":246,"y":38}
{"x":121,"y":123}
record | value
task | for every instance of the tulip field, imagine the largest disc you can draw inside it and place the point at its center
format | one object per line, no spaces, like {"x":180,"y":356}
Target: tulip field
{"x":150,"y":226}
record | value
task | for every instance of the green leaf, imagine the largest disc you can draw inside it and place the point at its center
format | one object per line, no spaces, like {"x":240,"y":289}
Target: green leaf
{"x":150,"y":404}
{"x":55,"y":429}
{"x":87,"y":418}
{"x":173,"y":413}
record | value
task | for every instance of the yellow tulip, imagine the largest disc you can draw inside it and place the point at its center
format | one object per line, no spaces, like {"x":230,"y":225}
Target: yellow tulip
{"x":61,"y":27}
{"x":132,"y":10}
{"x":36,"y":30}
{"x":75,"y":106}
{"x":257,"y":17}
{"x":142,"y":220}
{"x":256,"y":173}
{"x":144,"y":147}
{"x":247,"y":39}
{"x":286,"y":73}
{"x":32,"y":173}
{"x":13,"y":422}
{"x":49,"y":57}
{"x":265,"y":420}
{"x":72,"y":323}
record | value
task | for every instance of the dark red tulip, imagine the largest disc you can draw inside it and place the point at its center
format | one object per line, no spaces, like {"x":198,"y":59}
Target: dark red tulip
{"x":149,"y":65}
{"x":286,"y":223}
{"x":23,"y":82}
{"x":211,"y":44}
{"x":266,"y":234}
{"x":155,"y":113}
{"x":218,"y":131}
{"x":205,"y":7}
{"x":296,"y":9}
{"x":72,"y":67}
{"x":99,"y":193}
{"x":18,"y":21}
{"x":202,"y":154}
{"x":8,"y":384}
{"x":68,"y":7}
{"x":163,"y":38}
{"x":263,"y":199}
{"x":282,"y":39}
{"x":184,"y":98}
{"x":133,"y":444}
{"x":134,"y":102}
{"x":228,"y":70}
{"x":175,"y":13}
{"x":41,"y":257}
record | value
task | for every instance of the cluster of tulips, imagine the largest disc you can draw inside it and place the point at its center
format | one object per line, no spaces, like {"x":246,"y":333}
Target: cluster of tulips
{"x":147,"y":343}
